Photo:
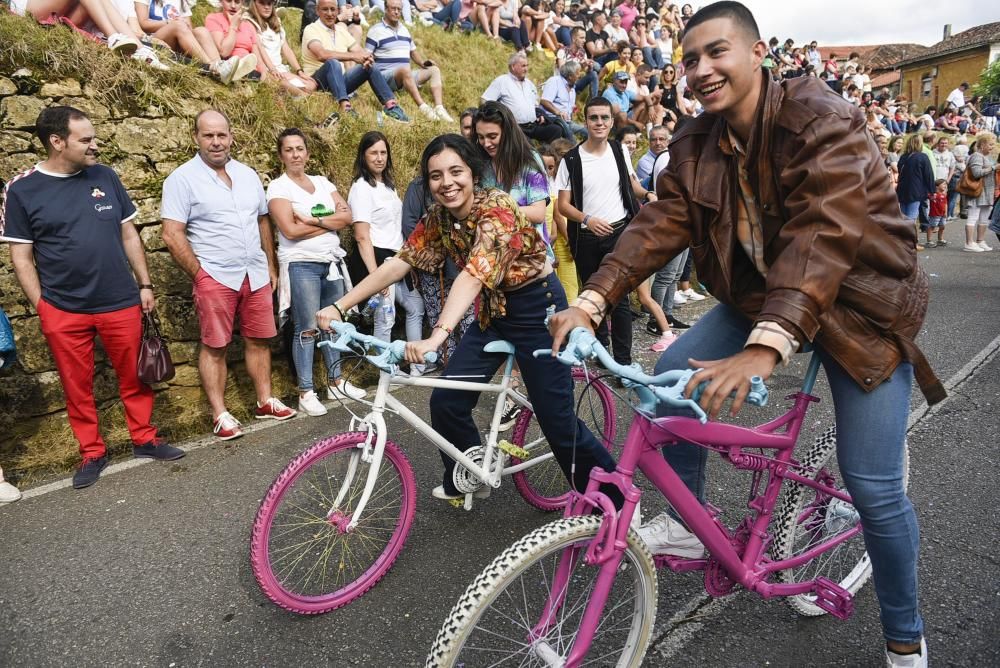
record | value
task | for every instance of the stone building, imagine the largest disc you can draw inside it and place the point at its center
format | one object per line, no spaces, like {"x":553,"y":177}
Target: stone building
{"x":929,"y":76}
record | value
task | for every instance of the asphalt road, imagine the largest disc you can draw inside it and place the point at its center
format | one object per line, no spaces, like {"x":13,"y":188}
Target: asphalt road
{"x":150,"y":566}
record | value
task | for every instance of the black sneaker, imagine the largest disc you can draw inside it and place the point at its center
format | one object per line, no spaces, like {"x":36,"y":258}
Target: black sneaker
{"x":652,"y":328}
{"x":89,"y":472}
{"x":677,"y":324}
{"x":157,"y":449}
{"x":510,"y":412}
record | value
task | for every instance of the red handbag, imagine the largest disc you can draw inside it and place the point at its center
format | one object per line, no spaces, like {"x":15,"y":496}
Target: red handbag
{"x":155,"y":365}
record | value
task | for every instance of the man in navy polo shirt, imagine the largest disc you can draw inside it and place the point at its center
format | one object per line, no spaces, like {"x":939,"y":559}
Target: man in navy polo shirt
{"x":69,"y":224}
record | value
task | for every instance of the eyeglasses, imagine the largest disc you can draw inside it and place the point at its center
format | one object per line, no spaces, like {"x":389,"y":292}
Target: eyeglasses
{"x":597,"y":118}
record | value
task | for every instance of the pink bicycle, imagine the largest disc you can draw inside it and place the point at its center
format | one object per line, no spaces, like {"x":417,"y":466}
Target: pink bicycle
{"x":583,"y":589}
{"x":335,"y":519}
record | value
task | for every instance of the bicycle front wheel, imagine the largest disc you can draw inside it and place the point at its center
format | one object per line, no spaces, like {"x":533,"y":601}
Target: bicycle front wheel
{"x":544,"y":486}
{"x":303,"y":553}
{"x":808,"y":517}
{"x":492,"y":623}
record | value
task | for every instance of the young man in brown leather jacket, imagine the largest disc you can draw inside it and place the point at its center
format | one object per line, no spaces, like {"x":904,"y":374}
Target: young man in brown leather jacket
{"x":795,"y":229}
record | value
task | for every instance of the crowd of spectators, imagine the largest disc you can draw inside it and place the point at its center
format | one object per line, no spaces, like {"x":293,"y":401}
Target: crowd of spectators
{"x":622,"y":57}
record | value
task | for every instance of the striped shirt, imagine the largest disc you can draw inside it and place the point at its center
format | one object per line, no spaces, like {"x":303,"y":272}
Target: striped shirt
{"x":390,"y":46}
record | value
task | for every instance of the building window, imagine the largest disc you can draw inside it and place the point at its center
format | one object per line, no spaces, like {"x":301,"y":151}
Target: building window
{"x":926,"y":83}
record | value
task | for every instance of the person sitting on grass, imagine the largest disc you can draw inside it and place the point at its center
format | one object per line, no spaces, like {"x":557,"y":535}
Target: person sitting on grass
{"x":103,"y":14}
{"x":232,"y":34}
{"x":275,"y":54}
{"x":171,"y":24}
{"x":389,"y":42}
{"x":326,"y":46}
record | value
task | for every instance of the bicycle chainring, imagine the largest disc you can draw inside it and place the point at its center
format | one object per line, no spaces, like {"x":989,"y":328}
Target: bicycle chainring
{"x":717,"y":581}
{"x":465,"y":480}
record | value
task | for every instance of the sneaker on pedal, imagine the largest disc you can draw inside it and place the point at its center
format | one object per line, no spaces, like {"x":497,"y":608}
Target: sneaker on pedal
{"x":666,"y":536}
{"x":511,"y":411}
{"x":893,"y":660}
{"x":439,"y":493}
{"x":310,"y":404}
{"x":273,"y":409}
{"x":227,"y":427}
{"x":343,"y":390}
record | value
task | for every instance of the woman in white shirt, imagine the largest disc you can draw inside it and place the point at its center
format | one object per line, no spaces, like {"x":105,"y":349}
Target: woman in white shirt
{"x":378,"y":231}
{"x":308,"y":211}
{"x":274,"y":53}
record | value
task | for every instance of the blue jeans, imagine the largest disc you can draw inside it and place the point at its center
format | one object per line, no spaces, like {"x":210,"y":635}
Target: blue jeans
{"x":448,"y":13}
{"x":330,"y":77}
{"x":411,"y":302}
{"x":589,"y":79}
{"x":570,"y":128}
{"x":665,"y":282}
{"x":871,"y":433}
{"x":953,"y":202}
{"x":565,"y":36}
{"x":311,"y":291}
{"x":910,"y":209}
{"x":653,"y":57}
{"x":517,"y":36}
{"x":549,"y":384}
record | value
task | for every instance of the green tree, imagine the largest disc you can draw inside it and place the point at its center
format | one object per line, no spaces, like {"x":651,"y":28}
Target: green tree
{"x":989,"y":81}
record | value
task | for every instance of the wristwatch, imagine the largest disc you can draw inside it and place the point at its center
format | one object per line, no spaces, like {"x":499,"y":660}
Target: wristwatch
{"x":146,"y":286}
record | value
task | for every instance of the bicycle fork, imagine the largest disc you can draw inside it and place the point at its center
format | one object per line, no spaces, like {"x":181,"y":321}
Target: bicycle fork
{"x":345,"y":522}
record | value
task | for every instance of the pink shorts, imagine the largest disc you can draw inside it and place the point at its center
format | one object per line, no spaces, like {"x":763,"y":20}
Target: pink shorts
{"x":218,"y":307}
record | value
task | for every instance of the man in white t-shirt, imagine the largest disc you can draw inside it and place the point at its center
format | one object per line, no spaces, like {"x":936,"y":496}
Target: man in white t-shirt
{"x":956,"y":98}
{"x":944,"y":160}
{"x":393,"y":48}
{"x":599,"y":194}
{"x":517,"y":92}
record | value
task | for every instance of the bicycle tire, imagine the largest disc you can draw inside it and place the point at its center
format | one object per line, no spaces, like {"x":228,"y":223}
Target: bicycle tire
{"x":545,"y":486}
{"x":515,"y":571}
{"x":296,"y":510}
{"x":804,"y":518}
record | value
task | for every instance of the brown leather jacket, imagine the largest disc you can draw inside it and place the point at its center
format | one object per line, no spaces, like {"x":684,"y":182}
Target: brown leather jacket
{"x":842,"y":265}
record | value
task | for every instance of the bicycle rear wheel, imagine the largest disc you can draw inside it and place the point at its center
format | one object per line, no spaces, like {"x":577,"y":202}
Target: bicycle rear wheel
{"x":544,"y":485}
{"x":303,"y":556}
{"x":806,"y":517}
{"x":493,"y":620}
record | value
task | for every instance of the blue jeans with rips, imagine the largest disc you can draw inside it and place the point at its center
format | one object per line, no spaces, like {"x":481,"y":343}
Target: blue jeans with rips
{"x":871,"y":441}
{"x":311,"y":291}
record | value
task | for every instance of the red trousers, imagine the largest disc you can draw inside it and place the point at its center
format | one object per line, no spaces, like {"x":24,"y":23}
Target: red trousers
{"x":71,"y":340}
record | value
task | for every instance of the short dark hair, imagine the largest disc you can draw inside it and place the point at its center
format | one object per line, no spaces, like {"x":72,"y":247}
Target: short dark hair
{"x":55,"y":121}
{"x":460,"y":145}
{"x":468,"y":113}
{"x":726,"y":9}
{"x":596,"y":102}
{"x":627,"y":130}
{"x":361,"y":170}
{"x":291,"y":132}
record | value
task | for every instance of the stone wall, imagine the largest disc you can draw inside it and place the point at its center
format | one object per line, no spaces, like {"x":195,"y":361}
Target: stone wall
{"x":35,"y":439}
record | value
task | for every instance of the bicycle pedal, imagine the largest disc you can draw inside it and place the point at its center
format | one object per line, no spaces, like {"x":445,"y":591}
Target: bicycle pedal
{"x":833,"y":598}
{"x":517,"y":451}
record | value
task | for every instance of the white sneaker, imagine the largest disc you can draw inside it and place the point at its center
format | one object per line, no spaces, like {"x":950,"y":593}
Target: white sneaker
{"x":225,"y":69}
{"x":9,"y":493}
{"x":481,"y":493}
{"x":425,"y":18}
{"x":636,"y":522}
{"x":123,"y":44}
{"x":893,"y":660}
{"x":310,"y":404}
{"x":679,"y":298}
{"x":443,"y":114}
{"x":247,"y":64}
{"x":344,"y":391}
{"x":147,"y":56}
{"x":426,"y":110}
{"x":972,"y":248}
{"x":665,"y":535}
{"x":692,"y":296}
{"x":982,"y":244}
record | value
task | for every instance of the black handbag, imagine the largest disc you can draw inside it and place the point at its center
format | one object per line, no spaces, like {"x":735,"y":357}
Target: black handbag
{"x":155,"y":365}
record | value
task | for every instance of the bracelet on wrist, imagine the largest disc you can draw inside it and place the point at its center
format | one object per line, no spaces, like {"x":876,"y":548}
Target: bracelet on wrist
{"x":146,"y":286}
{"x":600,"y":309}
{"x":448,"y":330}
{"x":583,"y":223}
{"x":339,"y":310}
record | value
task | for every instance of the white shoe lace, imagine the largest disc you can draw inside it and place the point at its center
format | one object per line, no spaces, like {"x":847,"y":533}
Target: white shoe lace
{"x":226,"y":421}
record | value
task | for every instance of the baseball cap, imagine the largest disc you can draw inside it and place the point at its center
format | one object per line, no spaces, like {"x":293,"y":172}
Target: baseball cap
{"x":621,"y":76}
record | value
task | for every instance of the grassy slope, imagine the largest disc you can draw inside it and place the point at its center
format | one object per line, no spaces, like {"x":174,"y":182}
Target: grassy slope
{"x":259,"y":112}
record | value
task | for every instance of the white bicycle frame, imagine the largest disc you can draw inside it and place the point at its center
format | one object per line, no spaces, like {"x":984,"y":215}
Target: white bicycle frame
{"x":374,"y":423}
